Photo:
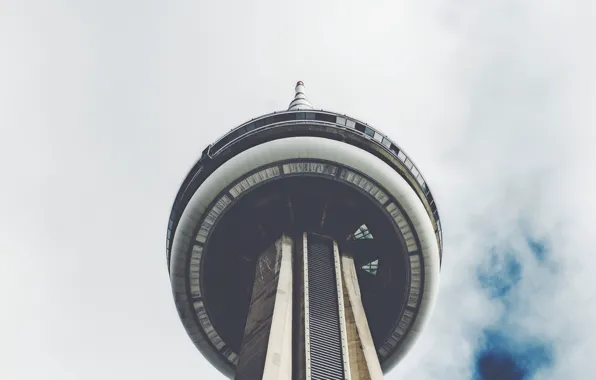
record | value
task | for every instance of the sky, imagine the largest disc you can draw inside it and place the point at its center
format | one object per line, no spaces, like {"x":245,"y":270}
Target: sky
{"x":105,"y":105}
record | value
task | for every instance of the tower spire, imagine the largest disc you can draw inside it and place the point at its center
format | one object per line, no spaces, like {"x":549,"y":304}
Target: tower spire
{"x":300,"y":102}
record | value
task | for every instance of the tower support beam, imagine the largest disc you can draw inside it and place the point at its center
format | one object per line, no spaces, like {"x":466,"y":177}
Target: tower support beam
{"x":266,"y":351}
{"x":278,"y":363}
{"x":364,"y":362}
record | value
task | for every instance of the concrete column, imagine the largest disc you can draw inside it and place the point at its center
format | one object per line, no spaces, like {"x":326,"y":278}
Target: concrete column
{"x":278,"y":363}
{"x":364,"y":363}
{"x":266,"y":351}
{"x":358,"y":367}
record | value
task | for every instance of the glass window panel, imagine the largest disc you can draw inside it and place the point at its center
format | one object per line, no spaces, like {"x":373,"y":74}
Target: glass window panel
{"x":325,"y":117}
{"x":409,"y":163}
{"x":363,"y":233}
{"x":429,"y":196}
{"x":421,"y":182}
{"x":415,"y":171}
{"x":282,"y":117}
{"x":371,"y":267}
{"x":394,"y":149}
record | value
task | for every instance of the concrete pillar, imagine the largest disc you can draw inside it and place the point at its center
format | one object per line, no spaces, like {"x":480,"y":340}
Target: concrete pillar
{"x":278,"y":363}
{"x":266,"y":351}
{"x":358,"y":367}
{"x":364,"y":363}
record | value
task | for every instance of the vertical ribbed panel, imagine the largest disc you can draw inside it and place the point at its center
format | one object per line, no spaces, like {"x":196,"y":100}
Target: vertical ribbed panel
{"x":326,"y":356}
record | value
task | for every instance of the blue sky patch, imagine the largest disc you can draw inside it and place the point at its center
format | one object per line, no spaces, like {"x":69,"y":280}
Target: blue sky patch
{"x":539,"y":248}
{"x":501,"y":357}
{"x":502,"y":353}
{"x":501,"y":272}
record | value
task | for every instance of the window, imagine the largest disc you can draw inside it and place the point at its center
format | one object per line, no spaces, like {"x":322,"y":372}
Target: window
{"x":372,"y":267}
{"x":415,"y":171}
{"x":421,"y":182}
{"x":362,"y":233}
{"x":283,"y":117}
{"x":325,"y":117}
{"x":409,"y":164}
{"x":401,"y":156}
{"x":429,"y":197}
{"x":394,"y":149}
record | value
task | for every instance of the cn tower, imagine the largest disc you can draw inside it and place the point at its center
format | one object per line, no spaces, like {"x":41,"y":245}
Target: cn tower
{"x":304,"y":244}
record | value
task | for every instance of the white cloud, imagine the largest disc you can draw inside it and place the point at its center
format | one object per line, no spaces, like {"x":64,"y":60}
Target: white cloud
{"x":105,"y":105}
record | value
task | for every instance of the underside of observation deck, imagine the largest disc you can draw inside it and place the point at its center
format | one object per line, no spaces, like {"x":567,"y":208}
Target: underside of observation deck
{"x":290,"y":206}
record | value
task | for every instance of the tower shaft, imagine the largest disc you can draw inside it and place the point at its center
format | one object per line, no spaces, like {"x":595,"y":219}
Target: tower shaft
{"x":306,"y":284}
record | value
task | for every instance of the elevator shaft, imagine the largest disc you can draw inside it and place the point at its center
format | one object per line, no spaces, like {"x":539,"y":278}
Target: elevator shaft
{"x":325,"y":329}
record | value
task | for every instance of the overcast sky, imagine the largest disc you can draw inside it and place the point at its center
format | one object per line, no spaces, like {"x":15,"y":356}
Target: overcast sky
{"x":105,"y":105}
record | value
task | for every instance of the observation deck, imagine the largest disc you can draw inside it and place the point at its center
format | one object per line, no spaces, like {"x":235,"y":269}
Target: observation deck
{"x":303,"y":170}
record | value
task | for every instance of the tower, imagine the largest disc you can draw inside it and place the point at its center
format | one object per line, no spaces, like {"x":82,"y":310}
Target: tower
{"x":304,"y":244}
